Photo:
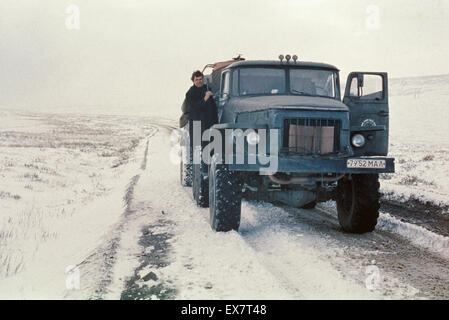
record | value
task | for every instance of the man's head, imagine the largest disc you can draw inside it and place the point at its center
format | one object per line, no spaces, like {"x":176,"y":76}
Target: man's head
{"x":197,"y":78}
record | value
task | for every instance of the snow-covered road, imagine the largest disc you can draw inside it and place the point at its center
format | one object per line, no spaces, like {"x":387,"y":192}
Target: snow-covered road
{"x":278,"y":253}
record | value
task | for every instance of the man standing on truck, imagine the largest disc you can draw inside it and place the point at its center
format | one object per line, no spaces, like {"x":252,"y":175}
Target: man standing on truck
{"x":198,"y":105}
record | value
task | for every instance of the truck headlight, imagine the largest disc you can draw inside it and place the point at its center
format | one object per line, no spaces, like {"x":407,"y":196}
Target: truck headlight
{"x":252,"y":138}
{"x":358,"y":140}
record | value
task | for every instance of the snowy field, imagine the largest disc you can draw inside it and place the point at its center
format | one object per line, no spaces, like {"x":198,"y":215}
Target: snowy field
{"x":97,"y":192}
{"x":63,"y":178}
{"x":419,"y":140}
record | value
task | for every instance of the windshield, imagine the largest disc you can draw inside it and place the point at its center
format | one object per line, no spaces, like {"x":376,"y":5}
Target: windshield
{"x":312,"y":82}
{"x":272,"y":81}
{"x":261,"y":81}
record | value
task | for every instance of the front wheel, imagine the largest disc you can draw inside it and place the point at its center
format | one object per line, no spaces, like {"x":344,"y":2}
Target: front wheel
{"x":225,"y":197}
{"x":358,"y":202}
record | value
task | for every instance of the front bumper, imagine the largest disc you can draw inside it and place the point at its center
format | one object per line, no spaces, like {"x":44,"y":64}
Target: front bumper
{"x":314,"y":165}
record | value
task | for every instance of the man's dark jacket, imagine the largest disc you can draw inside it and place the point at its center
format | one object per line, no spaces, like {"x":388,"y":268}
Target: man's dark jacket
{"x":194,"y":108}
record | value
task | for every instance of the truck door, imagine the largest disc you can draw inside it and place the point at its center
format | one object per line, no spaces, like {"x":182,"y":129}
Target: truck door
{"x":366,"y":95}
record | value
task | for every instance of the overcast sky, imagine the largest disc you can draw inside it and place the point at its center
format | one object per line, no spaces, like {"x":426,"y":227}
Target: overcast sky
{"x":137,"y":56}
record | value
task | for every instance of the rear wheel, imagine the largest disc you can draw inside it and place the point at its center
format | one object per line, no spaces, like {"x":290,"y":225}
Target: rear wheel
{"x":358,"y":202}
{"x":200,"y":184}
{"x":225,"y":195}
{"x":186,"y":171}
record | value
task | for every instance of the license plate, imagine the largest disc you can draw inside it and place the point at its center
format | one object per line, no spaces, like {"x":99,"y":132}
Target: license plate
{"x":365,"y":163}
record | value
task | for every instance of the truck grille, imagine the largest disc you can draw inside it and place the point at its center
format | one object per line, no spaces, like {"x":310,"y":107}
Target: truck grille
{"x":308,"y":136}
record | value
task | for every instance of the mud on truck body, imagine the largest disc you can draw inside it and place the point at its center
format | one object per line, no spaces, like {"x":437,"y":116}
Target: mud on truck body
{"x":286,"y":136}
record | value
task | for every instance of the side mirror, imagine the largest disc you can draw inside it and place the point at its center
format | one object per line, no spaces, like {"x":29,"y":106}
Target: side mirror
{"x":207,"y":81}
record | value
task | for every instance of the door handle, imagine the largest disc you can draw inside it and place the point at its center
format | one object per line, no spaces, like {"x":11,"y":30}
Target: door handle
{"x":383,"y":113}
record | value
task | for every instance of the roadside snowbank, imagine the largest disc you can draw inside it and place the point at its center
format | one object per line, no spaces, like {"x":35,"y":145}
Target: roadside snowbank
{"x":415,"y":234}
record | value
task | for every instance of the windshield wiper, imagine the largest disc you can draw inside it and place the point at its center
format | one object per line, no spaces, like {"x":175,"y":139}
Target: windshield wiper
{"x":310,"y":95}
{"x":302,"y":93}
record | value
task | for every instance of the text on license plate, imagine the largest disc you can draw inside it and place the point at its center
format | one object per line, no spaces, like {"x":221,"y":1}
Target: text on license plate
{"x":365,"y":163}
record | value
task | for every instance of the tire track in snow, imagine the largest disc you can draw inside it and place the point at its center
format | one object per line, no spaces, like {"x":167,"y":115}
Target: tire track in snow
{"x":426,"y":215}
{"x":405,"y":268}
{"x":154,"y":247}
{"x":99,"y":264}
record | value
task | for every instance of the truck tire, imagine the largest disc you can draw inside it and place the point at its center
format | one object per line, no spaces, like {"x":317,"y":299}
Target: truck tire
{"x":200,"y":185}
{"x":225,"y":196}
{"x":358,"y":202}
{"x":186,"y":172}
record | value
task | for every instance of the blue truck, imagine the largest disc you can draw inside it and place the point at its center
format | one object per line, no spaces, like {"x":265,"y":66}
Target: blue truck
{"x":286,"y":134}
